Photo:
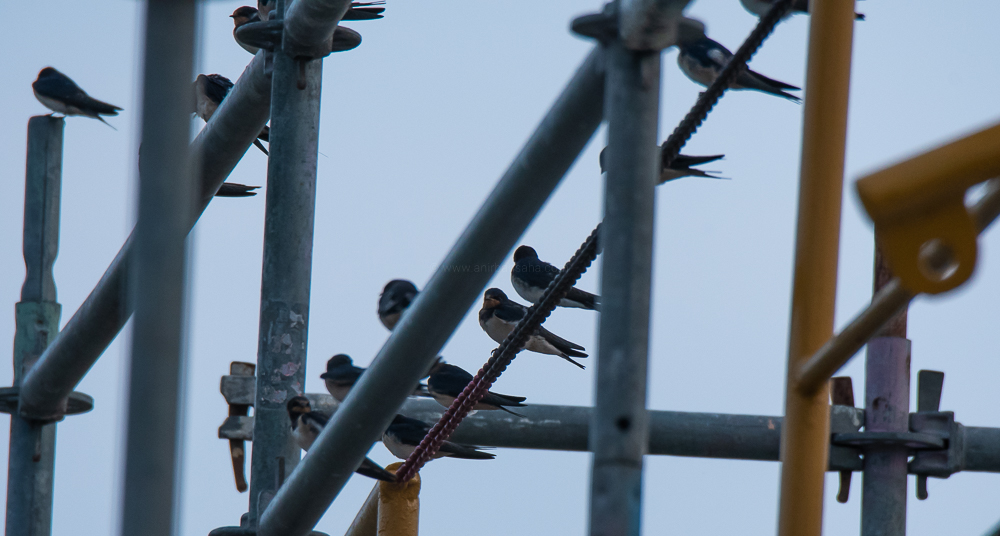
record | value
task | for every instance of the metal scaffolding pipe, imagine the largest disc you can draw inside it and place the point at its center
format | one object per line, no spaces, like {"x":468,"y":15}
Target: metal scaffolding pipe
{"x":366,"y":521}
{"x":31,"y":460}
{"x":287,"y":272}
{"x":437,"y":311}
{"x":399,"y":506}
{"x":805,"y":439}
{"x":619,"y":432}
{"x":886,"y":303}
{"x":671,"y":433}
{"x":216,"y":151}
{"x":158,"y":273}
{"x":887,"y":406}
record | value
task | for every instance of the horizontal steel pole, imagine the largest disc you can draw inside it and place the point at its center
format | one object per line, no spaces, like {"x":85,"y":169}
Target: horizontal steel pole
{"x":437,"y":311}
{"x":671,"y":433}
{"x":887,"y":302}
{"x":982,"y":449}
{"x":216,"y":151}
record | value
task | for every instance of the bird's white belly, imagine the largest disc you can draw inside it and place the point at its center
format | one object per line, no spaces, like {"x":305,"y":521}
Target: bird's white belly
{"x":697,"y":72}
{"x":497,"y":329}
{"x":303,"y":439}
{"x":526,"y":291}
{"x":540,"y":345}
{"x":397,"y":448}
{"x":338,"y":391}
{"x":57,"y":106}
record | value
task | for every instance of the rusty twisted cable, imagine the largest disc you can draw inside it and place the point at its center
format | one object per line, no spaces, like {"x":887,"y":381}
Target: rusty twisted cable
{"x":504,"y":354}
{"x":501,"y":358}
{"x":710,"y":97}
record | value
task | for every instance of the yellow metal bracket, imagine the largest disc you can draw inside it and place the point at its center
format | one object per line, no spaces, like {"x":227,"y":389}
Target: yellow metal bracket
{"x":918,"y":207}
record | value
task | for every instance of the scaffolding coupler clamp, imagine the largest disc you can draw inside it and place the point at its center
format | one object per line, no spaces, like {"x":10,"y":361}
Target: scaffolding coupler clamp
{"x":924,"y":229}
{"x":948,"y":460}
{"x":238,"y":388}
{"x":643,"y":25}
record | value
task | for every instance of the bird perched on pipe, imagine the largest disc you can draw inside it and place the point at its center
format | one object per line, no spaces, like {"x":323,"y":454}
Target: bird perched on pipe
{"x":306,"y":426}
{"x":396,"y":296}
{"x":241,"y":16}
{"x":703,"y":60}
{"x":499,"y":316}
{"x":209,"y":92}
{"x":530,"y":276}
{"x":404,"y":434}
{"x":446,"y":382}
{"x":341,"y":375}
{"x":760,"y":7}
{"x":680,"y":166}
{"x":60,"y":94}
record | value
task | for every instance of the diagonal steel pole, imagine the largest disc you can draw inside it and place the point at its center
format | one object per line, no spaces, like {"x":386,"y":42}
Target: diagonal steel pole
{"x":158,"y":272}
{"x":432,"y":318}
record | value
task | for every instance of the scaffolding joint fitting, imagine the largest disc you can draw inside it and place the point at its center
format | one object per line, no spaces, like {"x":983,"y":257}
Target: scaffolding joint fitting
{"x":642,"y":25}
{"x":927,"y":234}
{"x":269,"y":35}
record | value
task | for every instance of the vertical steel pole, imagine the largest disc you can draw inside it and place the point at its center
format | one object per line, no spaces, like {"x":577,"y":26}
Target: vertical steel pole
{"x":805,"y":435}
{"x":32,"y":444}
{"x":284,"y":294}
{"x":619,"y":432}
{"x":166,"y":201}
{"x":887,"y":406}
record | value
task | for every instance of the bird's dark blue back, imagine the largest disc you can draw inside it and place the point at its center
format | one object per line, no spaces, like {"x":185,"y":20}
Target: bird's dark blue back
{"x":218,"y":87}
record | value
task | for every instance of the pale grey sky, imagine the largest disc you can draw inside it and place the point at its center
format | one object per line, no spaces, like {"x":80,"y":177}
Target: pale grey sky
{"x":418,"y":124}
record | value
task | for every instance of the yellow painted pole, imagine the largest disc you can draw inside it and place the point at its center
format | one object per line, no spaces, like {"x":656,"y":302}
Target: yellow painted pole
{"x":399,"y":506}
{"x":806,"y":430}
{"x":366,"y":522}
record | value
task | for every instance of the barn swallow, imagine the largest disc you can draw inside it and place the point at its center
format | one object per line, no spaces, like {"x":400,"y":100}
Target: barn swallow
{"x":760,"y":7}
{"x":209,"y":92}
{"x":499,"y":315}
{"x":341,"y":375}
{"x":446,"y":382}
{"x":395,"y":298}
{"x":680,"y":167}
{"x":61,"y":95}
{"x":704,"y":59}
{"x":530,"y":276}
{"x":306,"y":426}
{"x":241,"y":16}
{"x":404,"y":434}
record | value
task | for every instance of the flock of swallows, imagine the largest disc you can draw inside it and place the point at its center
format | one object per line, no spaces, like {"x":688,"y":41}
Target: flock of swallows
{"x":701,"y":61}
{"x":445,"y":382}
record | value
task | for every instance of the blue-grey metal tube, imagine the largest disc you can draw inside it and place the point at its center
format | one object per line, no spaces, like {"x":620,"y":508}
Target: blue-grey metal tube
{"x":619,"y":430}
{"x":31,"y":461}
{"x":887,"y":406}
{"x":437,"y":311}
{"x":158,"y":272}
{"x":287,"y":271}
{"x":216,"y":151}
